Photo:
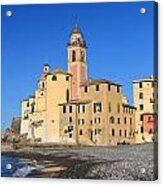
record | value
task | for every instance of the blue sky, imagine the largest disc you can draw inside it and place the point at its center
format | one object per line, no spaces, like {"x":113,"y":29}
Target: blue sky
{"x":119,"y":39}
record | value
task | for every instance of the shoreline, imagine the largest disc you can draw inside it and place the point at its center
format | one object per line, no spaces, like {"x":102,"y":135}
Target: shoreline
{"x":107,"y":163}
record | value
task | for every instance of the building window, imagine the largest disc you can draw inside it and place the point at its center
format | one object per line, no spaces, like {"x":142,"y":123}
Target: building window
{"x":120,"y":132}
{"x":81,"y":132}
{"x":67,"y":78}
{"x":32,"y":107}
{"x":141,"y":95}
{"x":70,"y":128}
{"x":73,"y":56}
{"x":113,"y":132}
{"x":70,"y":109}
{"x":43,"y":85}
{"x":141,"y":129}
{"x":70,"y":119}
{"x":109,"y":87}
{"x":70,"y":135}
{"x":83,"y":108}
{"x":67,"y":95}
{"x":86,"y":89}
{"x":140,"y":85}
{"x":118,"y":108}
{"x":64,"y":108}
{"x":109,"y":107}
{"x":141,"y":117}
{"x":149,"y":118}
{"x":82,"y":121}
{"x":97,"y":107}
{"x":118,"y":121}
{"x":99,"y":120}
{"x":130,"y":121}
{"x":112,"y":119}
{"x":125,"y":120}
{"x":97,"y":87}
{"x":54,"y":78}
{"x":95,"y":120}
{"x":27,"y":104}
{"x":78,"y":121}
{"x":141,"y":107}
{"x":118,"y":89}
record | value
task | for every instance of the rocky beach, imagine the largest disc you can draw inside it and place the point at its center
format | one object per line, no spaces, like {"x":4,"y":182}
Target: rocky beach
{"x":123,"y":162}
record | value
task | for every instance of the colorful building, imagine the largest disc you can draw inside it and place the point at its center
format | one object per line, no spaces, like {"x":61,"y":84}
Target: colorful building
{"x":68,"y":108}
{"x":145,"y":93}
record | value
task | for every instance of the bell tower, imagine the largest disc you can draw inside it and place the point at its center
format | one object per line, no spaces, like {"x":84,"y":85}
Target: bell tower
{"x":77,"y":60}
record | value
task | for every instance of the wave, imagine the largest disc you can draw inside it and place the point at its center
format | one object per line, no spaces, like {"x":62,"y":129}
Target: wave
{"x":26,"y":168}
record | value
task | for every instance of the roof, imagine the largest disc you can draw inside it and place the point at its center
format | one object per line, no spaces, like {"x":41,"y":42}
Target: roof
{"x":60,"y":71}
{"x":56,"y":71}
{"x":147,"y":79}
{"x":129,"y":106}
{"x":149,"y":113}
{"x":98,"y":81}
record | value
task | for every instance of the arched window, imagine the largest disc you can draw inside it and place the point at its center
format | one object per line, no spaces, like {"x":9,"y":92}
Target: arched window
{"x":54,"y":78}
{"x":73,"y":55}
{"x":111,"y":119}
{"x":67,"y":95}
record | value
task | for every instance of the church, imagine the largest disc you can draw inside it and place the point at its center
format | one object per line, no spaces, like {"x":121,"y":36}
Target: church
{"x":68,"y":108}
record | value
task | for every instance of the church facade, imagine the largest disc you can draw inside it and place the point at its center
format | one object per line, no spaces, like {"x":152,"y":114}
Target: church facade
{"x":68,"y":108}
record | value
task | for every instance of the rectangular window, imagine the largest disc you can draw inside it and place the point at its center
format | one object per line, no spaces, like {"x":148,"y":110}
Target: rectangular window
{"x":140,"y":85}
{"x":109,"y":107}
{"x":141,"y":129}
{"x":64,"y":109}
{"x":97,"y":107}
{"x":141,"y":107}
{"x":141,"y":117}
{"x":118,"y":120}
{"x":70,"y":135}
{"x":109,"y":87}
{"x":79,"y":121}
{"x":27,"y":104}
{"x":86,"y":89}
{"x":70,"y":128}
{"x":141,"y":95}
{"x":97,"y":87}
{"x":130,"y":121}
{"x":83,"y":108}
{"x":113,"y":132}
{"x":99,"y":120}
{"x":83,"y":121}
{"x":81,"y":132}
{"x":118,"y":89}
{"x":67,"y":78}
{"x":70,"y":119}
{"x":70,"y":109}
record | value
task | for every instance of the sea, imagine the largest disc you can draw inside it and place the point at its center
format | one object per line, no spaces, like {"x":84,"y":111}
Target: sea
{"x":12,"y":166}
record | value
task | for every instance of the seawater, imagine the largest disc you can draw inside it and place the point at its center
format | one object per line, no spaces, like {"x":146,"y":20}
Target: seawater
{"x":19,"y":167}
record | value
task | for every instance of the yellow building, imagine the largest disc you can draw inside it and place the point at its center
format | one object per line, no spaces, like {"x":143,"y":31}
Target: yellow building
{"x":145,"y":93}
{"x":69,"y":108}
